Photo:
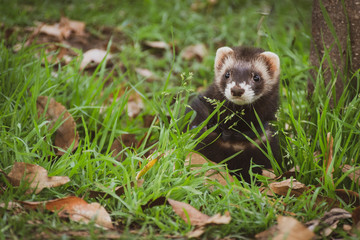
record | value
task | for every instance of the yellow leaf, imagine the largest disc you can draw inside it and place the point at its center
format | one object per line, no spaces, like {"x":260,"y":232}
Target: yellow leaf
{"x":146,"y":168}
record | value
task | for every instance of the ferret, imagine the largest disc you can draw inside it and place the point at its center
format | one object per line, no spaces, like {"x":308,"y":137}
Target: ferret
{"x":246,"y":83}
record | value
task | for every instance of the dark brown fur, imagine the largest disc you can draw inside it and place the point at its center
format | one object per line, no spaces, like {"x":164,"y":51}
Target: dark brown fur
{"x":217,"y":146}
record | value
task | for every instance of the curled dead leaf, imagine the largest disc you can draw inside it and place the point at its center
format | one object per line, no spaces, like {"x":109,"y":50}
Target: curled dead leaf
{"x":156,"y":44}
{"x":66,"y":134}
{"x":77,"y":27}
{"x":196,"y":218}
{"x":37,"y":177}
{"x":61,"y":30}
{"x":268,"y":173}
{"x":328,"y":222}
{"x":93,"y":57}
{"x":197,"y":51}
{"x":281,"y":188}
{"x":195,"y":160}
{"x":76,"y":209}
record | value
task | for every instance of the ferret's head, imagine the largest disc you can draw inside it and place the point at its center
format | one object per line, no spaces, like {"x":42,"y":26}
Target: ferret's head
{"x":244,"y":75}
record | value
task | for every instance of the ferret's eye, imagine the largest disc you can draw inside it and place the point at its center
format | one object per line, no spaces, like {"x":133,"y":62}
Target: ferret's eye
{"x":256,"y":78}
{"x":227,"y":74}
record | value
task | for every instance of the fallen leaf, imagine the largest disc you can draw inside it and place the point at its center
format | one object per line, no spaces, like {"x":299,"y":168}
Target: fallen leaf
{"x":267,"y":234}
{"x":76,"y":209}
{"x":185,"y":210}
{"x":355,"y":175}
{"x":291,"y":229}
{"x":268,"y":173}
{"x":53,"y":30}
{"x":194,"y":160}
{"x":77,"y":27}
{"x":134,"y":105}
{"x":61,"y":30}
{"x":127,"y":140}
{"x":196,"y":218}
{"x":197,"y":51}
{"x":36,"y":176}
{"x":219,"y":219}
{"x":146,"y":73}
{"x":287,"y":228}
{"x":348,"y":196}
{"x":328,"y":222}
{"x":281,"y":188}
{"x":66,"y":133}
{"x":94,"y":56}
{"x":156,"y":44}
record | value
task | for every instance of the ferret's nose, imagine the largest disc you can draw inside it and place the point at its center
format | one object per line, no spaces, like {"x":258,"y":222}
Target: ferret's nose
{"x":237,"y":91}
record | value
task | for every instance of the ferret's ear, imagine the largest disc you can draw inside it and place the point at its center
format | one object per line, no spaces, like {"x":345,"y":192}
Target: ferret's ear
{"x":221,"y":55}
{"x":272,"y":61}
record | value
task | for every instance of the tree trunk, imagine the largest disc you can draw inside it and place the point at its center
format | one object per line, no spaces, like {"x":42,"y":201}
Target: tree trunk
{"x":336,"y":34}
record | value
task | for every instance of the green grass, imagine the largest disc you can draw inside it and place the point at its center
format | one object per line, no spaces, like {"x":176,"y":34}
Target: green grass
{"x":303,"y":122}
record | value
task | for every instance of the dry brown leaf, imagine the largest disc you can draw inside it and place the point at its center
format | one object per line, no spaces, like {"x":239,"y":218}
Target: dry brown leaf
{"x":291,"y":229}
{"x":268,"y":173}
{"x":281,"y":188}
{"x":157,"y":44}
{"x":66,"y":134}
{"x":197,"y":51}
{"x":185,"y":210}
{"x":267,"y":234}
{"x":194,"y":159}
{"x":128,"y":140}
{"x":146,"y":73}
{"x":328,"y":223}
{"x":134,"y":105}
{"x":61,"y":30}
{"x":348,"y":196}
{"x":354,"y":176}
{"x":52,"y":30}
{"x":196,"y":218}
{"x":219,"y":219}
{"x":36,"y":176}
{"x":77,"y":27}
{"x":287,"y":228}
{"x":76,"y":209}
{"x":93,"y":57}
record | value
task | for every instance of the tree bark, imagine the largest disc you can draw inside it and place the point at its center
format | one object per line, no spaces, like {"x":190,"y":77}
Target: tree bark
{"x":336,"y":34}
